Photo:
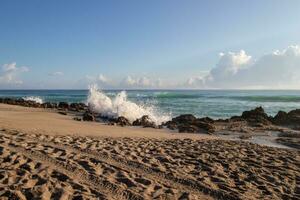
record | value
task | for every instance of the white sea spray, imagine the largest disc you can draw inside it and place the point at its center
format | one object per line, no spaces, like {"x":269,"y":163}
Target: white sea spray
{"x":119,"y":105}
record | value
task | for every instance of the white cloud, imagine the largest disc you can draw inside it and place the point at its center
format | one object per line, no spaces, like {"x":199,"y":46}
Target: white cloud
{"x":140,"y":82}
{"x":10,"y":73}
{"x":277,"y":70}
{"x":103,"y":79}
{"x":58,"y":73}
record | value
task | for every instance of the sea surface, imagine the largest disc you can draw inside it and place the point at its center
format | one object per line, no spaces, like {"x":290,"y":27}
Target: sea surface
{"x":212,"y":103}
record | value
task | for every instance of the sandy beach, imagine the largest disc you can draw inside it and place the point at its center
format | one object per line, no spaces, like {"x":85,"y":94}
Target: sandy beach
{"x":45,"y":155}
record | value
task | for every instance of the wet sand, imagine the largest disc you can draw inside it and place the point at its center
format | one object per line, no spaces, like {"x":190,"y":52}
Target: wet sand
{"x":50,"y":156}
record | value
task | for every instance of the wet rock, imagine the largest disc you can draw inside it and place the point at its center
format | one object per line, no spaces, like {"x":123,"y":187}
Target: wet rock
{"x":291,"y":118}
{"x":187,"y":118}
{"x":63,"y":105}
{"x":170,"y":125}
{"x":122,"y":121}
{"x":49,"y":105}
{"x":62,"y":113}
{"x":87,"y":116}
{"x":188,"y":129}
{"x":190,"y":124}
{"x":77,"y":118}
{"x":144,"y":121}
{"x":204,"y":126}
{"x":256,"y":117}
{"x":77,"y":106}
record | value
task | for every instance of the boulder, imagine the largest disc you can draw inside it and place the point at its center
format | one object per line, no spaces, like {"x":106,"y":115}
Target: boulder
{"x":203,"y":126}
{"x":190,"y":124}
{"x":87,"y":116}
{"x":291,"y":118}
{"x":256,"y":117}
{"x":49,"y":105}
{"x":122,"y":121}
{"x":77,"y":106}
{"x":144,"y":121}
{"x":186,"y":118}
{"x":63,"y":105}
{"x":188,"y":129}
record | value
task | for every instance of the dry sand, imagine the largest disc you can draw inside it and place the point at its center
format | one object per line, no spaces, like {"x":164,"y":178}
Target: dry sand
{"x":49,"y":156}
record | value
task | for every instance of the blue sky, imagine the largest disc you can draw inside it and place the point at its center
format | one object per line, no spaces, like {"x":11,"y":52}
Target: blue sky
{"x":142,"y":44}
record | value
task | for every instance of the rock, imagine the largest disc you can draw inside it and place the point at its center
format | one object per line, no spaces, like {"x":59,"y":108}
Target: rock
{"x":256,"y":117}
{"x":49,"y":105}
{"x":206,"y":120}
{"x":188,"y":129}
{"x":77,"y":118}
{"x":204,"y":126}
{"x":291,"y":118}
{"x":122,"y":121}
{"x":171,"y":125}
{"x":184,"y":118}
{"x":144,"y":121}
{"x":190,"y":124}
{"x":62,"y":113}
{"x":63,"y":105}
{"x":77,"y":106}
{"x":87,"y":116}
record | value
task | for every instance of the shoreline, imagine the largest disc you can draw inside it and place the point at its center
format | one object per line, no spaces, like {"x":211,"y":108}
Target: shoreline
{"x":50,"y":155}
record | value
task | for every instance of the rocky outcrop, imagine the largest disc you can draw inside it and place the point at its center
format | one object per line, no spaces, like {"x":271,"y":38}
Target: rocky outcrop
{"x":291,"y":118}
{"x":49,"y":105}
{"x":122,"y":121}
{"x":190,"y":124}
{"x":77,"y":107}
{"x":63,"y":105}
{"x":144,"y":121}
{"x":87,"y":116}
{"x":20,"y":102}
{"x":255,"y":117}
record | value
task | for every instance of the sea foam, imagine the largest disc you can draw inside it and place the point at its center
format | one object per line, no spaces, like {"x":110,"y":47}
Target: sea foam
{"x":119,"y":105}
{"x":34,"y":98}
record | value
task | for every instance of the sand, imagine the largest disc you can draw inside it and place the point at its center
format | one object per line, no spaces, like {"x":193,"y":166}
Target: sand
{"x":45,"y":155}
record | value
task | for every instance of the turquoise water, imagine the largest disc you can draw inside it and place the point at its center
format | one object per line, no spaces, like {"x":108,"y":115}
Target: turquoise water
{"x":212,"y":103}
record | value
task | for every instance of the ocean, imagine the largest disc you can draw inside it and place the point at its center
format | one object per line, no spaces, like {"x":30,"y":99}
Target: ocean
{"x":211,"y":103}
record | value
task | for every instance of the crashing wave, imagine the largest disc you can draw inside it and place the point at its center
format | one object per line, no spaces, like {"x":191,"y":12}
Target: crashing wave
{"x":119,"y":105}
{"x":33,"y":98}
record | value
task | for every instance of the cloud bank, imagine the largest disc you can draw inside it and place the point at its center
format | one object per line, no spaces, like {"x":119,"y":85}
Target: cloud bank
{"x":277,"y":70}
{"x":10,"y":74}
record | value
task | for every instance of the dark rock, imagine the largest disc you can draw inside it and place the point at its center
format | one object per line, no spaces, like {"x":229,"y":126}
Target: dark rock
{"x":204,"y":126}
{"x":184,"y":118}
{"x":206,"y":120}
{"x":171,"y":125}
{"x":144,"y":121}
{"x":291,"y":118}
{"x":62,"y":113}
{"x":190,"y":124}
{"x":49,"y":105}
{"x":87,"y":116}
{"x":77,"y":118}
{"x":122,"y":121}
{"x":256,"y":117}
{"x":77,"y":106}
{"x":188,"y":129}
{"x":63,"y":105}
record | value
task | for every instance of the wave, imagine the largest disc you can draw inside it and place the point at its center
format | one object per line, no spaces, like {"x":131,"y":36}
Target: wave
{"x":33,"y":98}
{"x":119,"y":105}
{"x":268,"y":98}
{"x":171,"y":95}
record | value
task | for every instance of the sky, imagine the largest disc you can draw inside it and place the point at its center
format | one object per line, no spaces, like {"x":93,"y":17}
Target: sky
{"x":133,"y":44}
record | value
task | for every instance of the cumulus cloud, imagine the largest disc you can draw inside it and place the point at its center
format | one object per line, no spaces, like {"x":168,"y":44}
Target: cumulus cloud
{"x":10,"y":73}
{"x":58,"y":73}
{"x":140,"y":82}
{"x":276,"y":70}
